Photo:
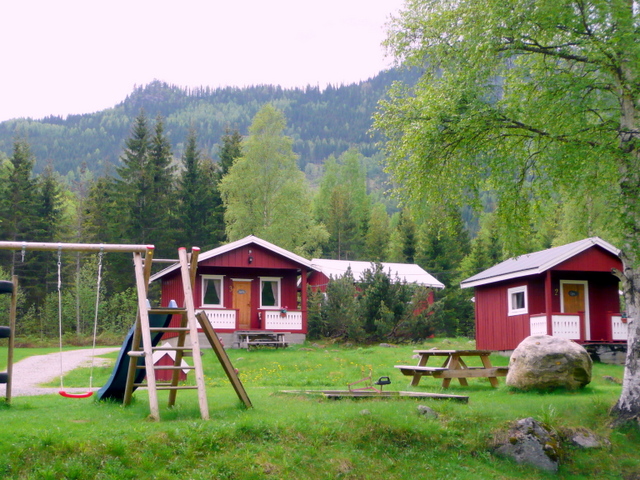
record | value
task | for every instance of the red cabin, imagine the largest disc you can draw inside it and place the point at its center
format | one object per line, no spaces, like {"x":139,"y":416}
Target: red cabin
{"x":566,"y":292}
{"x":246,"y":285}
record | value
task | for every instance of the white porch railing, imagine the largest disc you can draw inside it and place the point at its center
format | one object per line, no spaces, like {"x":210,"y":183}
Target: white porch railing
{"x":538,"y":324}
{"x":562,"y":326}
{"x":619,"y":329}
{"x":566,"y":326}
{"x":274,"y":320}
{"x":221,"y":318}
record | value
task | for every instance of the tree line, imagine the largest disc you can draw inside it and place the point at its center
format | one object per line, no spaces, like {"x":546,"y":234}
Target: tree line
{"x":256,"y":187}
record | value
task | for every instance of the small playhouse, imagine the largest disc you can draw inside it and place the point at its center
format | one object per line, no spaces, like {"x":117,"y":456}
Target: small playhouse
{"x":246,"y":285}
{"x":567,"y":291}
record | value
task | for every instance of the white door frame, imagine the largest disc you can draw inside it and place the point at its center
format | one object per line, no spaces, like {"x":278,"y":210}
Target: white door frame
{"x":587,"y":320}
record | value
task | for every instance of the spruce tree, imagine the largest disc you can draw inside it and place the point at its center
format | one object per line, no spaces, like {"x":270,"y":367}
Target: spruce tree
{"x":230,"y":150}
{"x":199,"y":212}
{"x":133,"y":186}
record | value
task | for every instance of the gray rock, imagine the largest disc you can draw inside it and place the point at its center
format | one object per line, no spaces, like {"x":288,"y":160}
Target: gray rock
{"x":529,"y":442}
{"x":543,"y":362}
{"x":427,"y":412}
{"x":585,"y":438}
{"x":365,"y":412}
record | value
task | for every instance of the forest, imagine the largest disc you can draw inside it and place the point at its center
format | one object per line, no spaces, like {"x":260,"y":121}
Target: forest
{"x":171,"y":167}
{"x":321,"y":122}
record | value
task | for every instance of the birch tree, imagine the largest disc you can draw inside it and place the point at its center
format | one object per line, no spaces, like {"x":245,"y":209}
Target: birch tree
{"x":265,"y":193}
{"x":524,"y":98}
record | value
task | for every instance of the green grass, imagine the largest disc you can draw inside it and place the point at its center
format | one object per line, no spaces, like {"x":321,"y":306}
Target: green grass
{"x":292,"y":437}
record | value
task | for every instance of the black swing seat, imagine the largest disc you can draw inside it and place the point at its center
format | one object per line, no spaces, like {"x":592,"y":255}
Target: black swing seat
{"x":5,"y":332}
{"x":6,"y":286}
{"x":4,"y":377}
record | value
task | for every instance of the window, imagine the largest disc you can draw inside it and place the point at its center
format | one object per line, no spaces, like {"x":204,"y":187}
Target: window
{"x":269,"y":292}
{"x":212,"y":293}
{"x":517,"y":298}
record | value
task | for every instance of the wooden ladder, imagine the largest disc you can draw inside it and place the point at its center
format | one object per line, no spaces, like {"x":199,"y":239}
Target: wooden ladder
{"x":143,"y":331}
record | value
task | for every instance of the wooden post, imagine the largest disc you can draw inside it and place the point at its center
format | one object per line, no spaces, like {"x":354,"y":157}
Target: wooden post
{"x":74,"y":247}
{"x":12,"y":337}
{"x":548,"y":302}
{"x":143,"y":316}
{"x":193,"y":331}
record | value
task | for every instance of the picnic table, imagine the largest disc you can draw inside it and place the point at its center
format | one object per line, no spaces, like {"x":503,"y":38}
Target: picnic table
{"x":453,"y":367}
{"x":248,"y":339}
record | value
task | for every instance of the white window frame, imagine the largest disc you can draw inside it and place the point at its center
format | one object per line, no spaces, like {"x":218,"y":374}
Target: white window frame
{"x":220,"y":295}
{"x":279,"y":299}
{"x":510,"y":294}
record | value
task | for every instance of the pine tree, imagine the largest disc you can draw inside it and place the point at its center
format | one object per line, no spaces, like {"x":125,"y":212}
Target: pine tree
{"x":230,"y":150}
{"x":134,"y":186}
{"x":199,"y":203}
{"x":18,"y":202}
{"x":160,"y":205}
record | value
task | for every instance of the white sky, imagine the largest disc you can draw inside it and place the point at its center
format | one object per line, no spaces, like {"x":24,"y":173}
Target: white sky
{"x":81,"y":56}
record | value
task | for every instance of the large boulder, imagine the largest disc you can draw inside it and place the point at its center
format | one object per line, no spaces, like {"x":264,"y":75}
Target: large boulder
{"x":542,"y":362}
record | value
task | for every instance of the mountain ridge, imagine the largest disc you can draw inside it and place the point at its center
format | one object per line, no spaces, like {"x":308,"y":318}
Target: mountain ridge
{"x":322,"y":122}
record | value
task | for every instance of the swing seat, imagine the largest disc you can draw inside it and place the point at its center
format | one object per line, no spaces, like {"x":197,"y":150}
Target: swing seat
{"x":75,"y":395}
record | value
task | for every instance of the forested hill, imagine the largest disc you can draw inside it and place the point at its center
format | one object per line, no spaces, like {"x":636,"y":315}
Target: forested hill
{"x":321,"y":121}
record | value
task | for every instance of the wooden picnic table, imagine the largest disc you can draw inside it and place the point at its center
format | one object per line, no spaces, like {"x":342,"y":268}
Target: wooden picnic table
{"x":453,"y":367}
{"x":248,"y":339}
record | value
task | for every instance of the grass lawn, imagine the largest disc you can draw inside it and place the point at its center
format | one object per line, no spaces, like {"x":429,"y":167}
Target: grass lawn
{"x":292,"y":437}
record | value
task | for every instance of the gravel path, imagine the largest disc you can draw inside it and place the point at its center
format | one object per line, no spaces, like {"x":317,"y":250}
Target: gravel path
{"x":30,"y":373}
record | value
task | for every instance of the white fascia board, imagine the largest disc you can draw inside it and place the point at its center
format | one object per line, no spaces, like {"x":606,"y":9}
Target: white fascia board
{"x":500,"y":278}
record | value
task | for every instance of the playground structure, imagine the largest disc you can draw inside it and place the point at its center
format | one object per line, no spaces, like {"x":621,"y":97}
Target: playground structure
{"x":9,"y":287}
{"x":150,"y":324}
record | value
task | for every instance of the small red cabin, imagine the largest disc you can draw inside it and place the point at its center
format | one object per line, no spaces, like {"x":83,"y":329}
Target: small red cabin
{"x":566,"y":292}
{"x":246,"y":285}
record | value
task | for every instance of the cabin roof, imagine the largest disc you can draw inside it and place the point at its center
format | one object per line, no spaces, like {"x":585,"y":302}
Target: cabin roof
{"x":251,"y":239}
{"x":410,"y":273}
{"x":536,"y":262}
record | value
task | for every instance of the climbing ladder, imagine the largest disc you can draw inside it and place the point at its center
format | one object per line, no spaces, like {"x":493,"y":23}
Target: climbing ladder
{"x":188,"y":325}
{"x":10,"y":287}
{"x":143,"y":332}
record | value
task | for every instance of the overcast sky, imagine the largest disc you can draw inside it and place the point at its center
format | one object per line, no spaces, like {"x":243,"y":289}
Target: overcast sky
{"x":80,"y":56}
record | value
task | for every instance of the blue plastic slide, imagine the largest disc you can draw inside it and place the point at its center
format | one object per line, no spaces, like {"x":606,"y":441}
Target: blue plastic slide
{"x":115,"y":386}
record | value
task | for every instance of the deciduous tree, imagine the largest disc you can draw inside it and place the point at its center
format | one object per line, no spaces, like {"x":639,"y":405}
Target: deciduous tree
{"x":524,"y":98}
{"x":265,"y":193}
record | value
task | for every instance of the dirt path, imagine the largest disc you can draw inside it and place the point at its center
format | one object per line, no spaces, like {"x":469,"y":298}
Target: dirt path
{"x":30,"y":373}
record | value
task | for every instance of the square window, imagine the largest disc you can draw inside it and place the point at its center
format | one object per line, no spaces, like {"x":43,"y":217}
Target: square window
{"x":212,"y":294}
{"x":517,"y":300}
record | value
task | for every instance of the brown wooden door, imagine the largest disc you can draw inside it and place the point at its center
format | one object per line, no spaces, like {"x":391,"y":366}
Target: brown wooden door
{"x":242,"y":302}
{"x":573,"y":297}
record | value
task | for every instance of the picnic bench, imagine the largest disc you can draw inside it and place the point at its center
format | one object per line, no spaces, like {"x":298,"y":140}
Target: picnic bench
{"x":453,"y":367}
{"x":248,"y":339}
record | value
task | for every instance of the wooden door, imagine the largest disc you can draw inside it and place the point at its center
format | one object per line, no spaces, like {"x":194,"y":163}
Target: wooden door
{"x":573,"y":297}
{"x":242,"y":302}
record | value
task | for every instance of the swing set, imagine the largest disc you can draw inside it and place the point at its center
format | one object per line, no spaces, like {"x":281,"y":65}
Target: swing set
{"x":141,"y":347}
{"x":76,"y":247}
{"x":89,"y":392}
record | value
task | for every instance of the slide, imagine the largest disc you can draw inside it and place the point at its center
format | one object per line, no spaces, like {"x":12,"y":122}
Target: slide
{"x":115,"y":386}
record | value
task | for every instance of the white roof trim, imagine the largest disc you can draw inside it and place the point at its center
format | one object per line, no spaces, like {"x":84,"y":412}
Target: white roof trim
{"x":251,"y":239}
{"x":510,"y":268}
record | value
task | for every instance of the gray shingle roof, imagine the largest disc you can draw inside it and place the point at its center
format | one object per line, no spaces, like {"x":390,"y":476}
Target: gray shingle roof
{"x":534,"y":263}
